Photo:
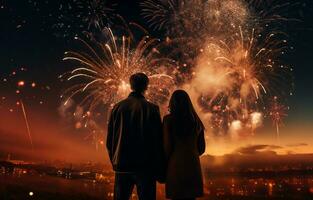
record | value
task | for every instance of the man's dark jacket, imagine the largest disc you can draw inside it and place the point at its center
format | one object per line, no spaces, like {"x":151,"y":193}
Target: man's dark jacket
{"x":134,"y":139}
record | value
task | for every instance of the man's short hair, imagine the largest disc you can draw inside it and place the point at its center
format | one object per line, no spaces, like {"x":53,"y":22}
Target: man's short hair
{"x":139,"y":82}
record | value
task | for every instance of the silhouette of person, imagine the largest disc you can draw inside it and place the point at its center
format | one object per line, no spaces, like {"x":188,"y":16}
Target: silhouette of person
{"x":183,"y":144}
{"x":134,"y":143}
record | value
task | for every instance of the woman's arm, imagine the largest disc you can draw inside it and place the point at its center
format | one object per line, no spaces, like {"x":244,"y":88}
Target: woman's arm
{"x":201,"y":142}
{"x":167,"y":141}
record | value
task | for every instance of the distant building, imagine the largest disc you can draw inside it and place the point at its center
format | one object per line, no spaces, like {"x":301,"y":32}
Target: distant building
{"x":6,"y":167}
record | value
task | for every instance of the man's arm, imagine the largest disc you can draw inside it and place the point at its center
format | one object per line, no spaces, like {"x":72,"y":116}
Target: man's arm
{"x":110,"y":133}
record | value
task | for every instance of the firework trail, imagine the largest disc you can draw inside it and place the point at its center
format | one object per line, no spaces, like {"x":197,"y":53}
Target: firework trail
{"x":104,"y":68}
{"x":27,"y":124}
{"x":277,"y":112}
{"x":25,"y":88}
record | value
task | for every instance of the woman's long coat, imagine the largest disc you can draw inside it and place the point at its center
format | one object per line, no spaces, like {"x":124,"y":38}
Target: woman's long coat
{"x":184,"y":175}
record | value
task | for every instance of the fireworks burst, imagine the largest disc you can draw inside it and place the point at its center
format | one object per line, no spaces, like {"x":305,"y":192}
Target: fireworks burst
{"x":268,"y":12}
{"x":97,"y":14}
{"x":229,"y":56}
{"x":104,"y":68}
{"x":241,"y":72}
{"x":189,"y":23}
{"x":234,"y":49}
{"x":251,"y":63}
{"x":202,"y":17}
{"x":82,"y":15}
{"x":168,"y":14}
{"x":195,"y":17}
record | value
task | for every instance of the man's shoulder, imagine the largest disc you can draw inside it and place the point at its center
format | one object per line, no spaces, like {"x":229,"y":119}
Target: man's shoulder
{"x":128,"y":101}
{"x":152,"y":105}
{"x":119,"y":104}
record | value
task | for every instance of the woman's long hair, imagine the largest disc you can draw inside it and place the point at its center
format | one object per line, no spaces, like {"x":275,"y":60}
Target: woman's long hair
{"x":184,"y":115}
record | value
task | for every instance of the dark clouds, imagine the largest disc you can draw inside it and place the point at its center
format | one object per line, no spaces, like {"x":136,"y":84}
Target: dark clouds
{"x":257,"y":149}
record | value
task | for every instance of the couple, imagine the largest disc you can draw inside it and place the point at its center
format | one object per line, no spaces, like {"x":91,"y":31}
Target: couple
{"x":144,"y":150}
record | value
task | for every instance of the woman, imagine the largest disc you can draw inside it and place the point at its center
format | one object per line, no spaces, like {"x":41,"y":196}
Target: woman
{"x":183,"y":144}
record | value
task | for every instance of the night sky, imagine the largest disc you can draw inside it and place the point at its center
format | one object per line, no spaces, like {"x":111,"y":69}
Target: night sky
{"x":32,"y":45}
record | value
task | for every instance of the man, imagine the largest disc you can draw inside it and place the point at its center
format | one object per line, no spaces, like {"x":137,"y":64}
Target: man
{"x":134,"y":143}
